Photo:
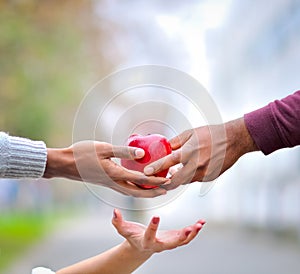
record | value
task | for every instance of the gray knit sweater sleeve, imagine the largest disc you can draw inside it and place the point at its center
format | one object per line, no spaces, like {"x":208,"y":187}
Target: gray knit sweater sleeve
{"x":21,"y":158}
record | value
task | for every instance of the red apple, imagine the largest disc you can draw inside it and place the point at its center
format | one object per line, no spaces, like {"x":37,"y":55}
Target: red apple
{"x":155,"y":146}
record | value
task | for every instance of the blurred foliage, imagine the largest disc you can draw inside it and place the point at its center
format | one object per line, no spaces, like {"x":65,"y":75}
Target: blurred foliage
{"x":51,"y":52}
{"x":17,"y":232}
{"x":47,"y":57}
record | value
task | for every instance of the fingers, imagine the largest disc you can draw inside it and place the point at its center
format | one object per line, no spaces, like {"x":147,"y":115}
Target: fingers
{"x":174,"y":169}
{"x":125,"y":181}
{"x":126,"y":152}
{"x":189,"y":233}
{"x":170,"y":240}
{"x":183,"y":176}
{"x":163,"y":163}
{"x":141,"y":179}
{"x":119,"y":173}
{"x":132,"y":190}
{"x":171,"y":159}
{"x":106,"y":150}
{"x":117,"y":220}
{"x":150,"y":233}
{"x":180,"y":140}
{"x":201,"y":221}
{"x":182,"y":237}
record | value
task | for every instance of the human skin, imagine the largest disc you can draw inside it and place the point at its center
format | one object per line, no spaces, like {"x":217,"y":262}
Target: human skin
{"x":140,"y":244}
{"x":91,"y":161}
{"x":204,"y":158}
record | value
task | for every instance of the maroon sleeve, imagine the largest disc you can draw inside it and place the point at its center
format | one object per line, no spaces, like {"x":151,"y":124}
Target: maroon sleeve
{"x":276,"y":125}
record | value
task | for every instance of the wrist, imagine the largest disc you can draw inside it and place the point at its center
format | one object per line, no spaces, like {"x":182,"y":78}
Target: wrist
{"x":56,"y":162}
{"x":239,"y":138}
{"x":142,"y":255}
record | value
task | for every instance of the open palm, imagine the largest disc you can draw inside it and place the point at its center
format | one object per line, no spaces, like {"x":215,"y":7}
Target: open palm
{"x":149,"y":239}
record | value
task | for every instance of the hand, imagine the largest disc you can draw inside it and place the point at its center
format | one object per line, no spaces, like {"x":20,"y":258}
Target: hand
{"x":91,"y":162}
{"x":140,"y":244}
{"x":146,"y":240}
{"x":205,"y":152}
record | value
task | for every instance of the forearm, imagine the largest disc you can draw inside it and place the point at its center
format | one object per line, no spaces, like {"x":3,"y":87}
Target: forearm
{"x":238,"y":142}
{"x":21,"y":157}
{"x":239,"y":138}
{"x":60,"y":163}
{"x":121,"y":259}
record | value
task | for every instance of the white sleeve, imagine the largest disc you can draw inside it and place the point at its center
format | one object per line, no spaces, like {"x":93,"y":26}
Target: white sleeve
{"x":42,"y":270}
{"x":21,"y":157}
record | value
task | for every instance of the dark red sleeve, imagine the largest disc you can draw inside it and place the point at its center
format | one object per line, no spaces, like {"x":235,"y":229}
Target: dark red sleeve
{"x":276,"y":125}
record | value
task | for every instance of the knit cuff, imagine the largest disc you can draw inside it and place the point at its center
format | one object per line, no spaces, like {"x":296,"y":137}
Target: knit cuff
{"x":21,"y":158}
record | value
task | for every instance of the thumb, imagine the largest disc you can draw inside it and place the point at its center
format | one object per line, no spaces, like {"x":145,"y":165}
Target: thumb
{"x":117,"y":220}
{"x":127,"y":152}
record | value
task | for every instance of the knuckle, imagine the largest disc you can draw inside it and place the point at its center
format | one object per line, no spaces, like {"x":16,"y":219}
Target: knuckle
{"x":175,"y":157}
{"x":128,"y":151}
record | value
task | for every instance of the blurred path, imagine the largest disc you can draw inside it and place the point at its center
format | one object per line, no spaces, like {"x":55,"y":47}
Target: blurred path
{"x":215,"y":251}
{"x":71,"y":241}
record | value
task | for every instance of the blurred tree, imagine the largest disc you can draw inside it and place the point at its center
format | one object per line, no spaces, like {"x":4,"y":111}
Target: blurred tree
{"x":47,"y":58}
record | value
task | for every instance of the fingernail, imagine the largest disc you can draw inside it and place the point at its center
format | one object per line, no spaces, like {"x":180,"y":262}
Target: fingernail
{"x":155,"y":220}
{"x":115,"y":214}
{"x":139,"y":153}
{"x":187,"y":233}
{"x":148,"y":170}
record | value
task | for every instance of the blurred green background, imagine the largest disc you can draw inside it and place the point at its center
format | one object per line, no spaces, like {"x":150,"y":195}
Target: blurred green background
{"x":48,"y":58}
{"x":246,"y":53}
